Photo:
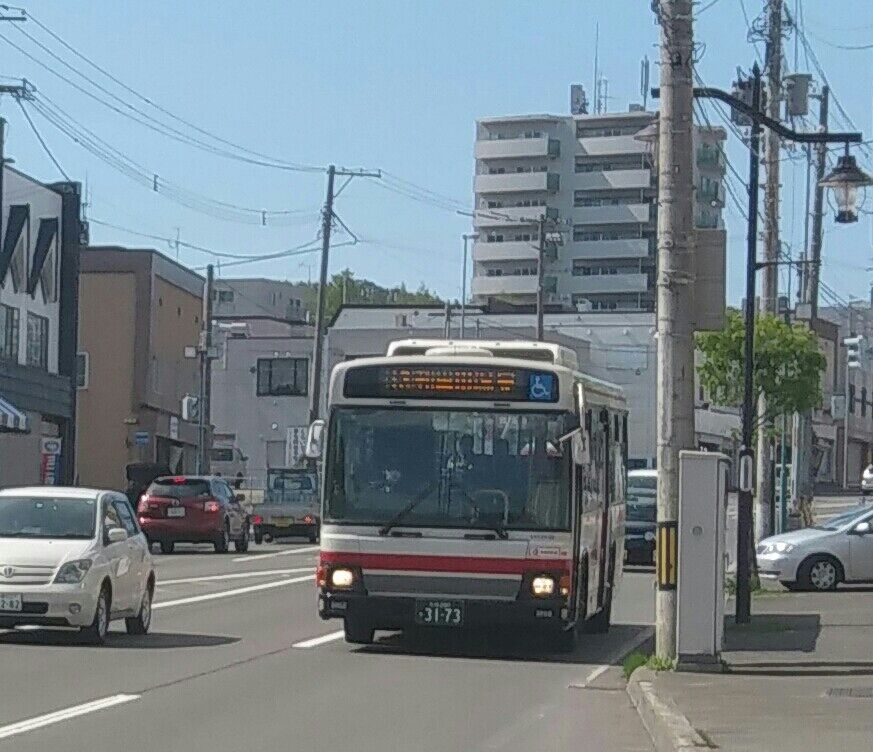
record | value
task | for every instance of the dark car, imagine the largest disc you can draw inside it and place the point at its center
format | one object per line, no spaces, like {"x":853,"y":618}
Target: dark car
{"x":193,"y":509}
{"x":640,"y":527}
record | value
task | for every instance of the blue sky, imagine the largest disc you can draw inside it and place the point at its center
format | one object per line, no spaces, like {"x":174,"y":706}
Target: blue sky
{"x":382,"y":84}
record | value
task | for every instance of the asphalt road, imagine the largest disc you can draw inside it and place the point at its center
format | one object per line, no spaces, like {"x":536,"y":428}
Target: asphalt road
{"x":239,"y":660}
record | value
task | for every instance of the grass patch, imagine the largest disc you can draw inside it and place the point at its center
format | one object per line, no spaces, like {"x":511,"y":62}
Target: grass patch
{"x":652,"y":662}
{"x":632,"y":663}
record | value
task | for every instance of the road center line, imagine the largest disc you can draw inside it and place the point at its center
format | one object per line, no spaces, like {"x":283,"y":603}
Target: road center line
{"x":316,"y":641}
{"x":289,"y":552}
{"x":234,"y":576}
{"x":40,"y":721}
{"x":235,"y":591}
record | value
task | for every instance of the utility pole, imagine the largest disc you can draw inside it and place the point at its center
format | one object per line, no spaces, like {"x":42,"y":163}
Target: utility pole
{"x":744,"y":497}
{"x":802,"y":481}
{"x":204,"y":412}
{"x":541,"y":248}
{"x":447,"y":329}
{"x":770,"y":288}
{"x":2,"y":171}
{"x":675,"y":368}
{"x":326,"y":224}
{"x":467,"y":236}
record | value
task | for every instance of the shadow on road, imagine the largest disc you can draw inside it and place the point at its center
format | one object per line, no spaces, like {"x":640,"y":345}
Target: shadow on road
{"x":504,"y":645}
{"x":116,"y":640}
{"x":804,"y":668}
{"x":773,"y":632}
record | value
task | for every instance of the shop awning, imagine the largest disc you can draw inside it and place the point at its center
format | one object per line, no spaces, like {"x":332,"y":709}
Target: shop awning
{"x":11,"y":418}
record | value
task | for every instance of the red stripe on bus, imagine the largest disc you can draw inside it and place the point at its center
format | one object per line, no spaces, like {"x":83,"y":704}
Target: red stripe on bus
{"x":428,"y":563}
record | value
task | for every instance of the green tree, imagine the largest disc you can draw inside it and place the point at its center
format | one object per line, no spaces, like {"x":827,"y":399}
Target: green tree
{"x":345,"y":287}
{"x":788,"y":364}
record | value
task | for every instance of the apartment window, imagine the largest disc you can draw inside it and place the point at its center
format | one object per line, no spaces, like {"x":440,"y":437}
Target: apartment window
{"x":8,"y":332}
{"x":83,"y":370}
{"x":851,"y":398}
{"x":225,"y":296}
{"x":37,"y":341}
{"x":495,"y":238}
{"x":283,"y":377}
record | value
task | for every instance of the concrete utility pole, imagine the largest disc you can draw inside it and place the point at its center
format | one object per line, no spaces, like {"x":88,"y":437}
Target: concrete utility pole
{"x":770,"y":287}
{"x":801,"y":429}
{"x":467,"y":237}
{"x":675,"y":383}
{"x":326,"y":224}
{"x":204,"y":417}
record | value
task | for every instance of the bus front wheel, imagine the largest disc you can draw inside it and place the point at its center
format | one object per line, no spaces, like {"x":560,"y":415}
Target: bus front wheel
{"x":358,"y":632}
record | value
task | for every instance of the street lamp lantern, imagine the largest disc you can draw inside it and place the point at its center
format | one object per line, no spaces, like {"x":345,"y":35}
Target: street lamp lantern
{"x":649,"y":136}
{"x":844,"y":180}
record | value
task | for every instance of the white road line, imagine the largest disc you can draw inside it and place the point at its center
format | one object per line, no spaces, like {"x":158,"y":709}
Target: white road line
{"x":234,"y":576}
{"x":40,"y":721}
{"x":620,"y":652}
{"x":289,"y":552}
{"x":235,"y":591}
{"x":316,"y":641}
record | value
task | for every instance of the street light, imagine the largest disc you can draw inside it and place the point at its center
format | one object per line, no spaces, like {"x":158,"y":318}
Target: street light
{"x":845,"y":183}
{"x":844,"y":180}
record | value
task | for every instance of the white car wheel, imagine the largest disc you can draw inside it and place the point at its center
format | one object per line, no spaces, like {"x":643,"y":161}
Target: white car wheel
{"x":819,"y":573}
{"x":95,"y":634}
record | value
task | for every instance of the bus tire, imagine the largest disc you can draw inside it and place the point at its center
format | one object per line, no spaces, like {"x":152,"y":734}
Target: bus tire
{"x":358,"y":632}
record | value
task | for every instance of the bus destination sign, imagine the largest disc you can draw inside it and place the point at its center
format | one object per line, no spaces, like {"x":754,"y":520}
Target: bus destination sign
{"x":451,"y":382}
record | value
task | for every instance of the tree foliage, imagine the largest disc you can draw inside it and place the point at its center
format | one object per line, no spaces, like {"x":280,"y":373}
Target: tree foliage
{"x":788,"y":364}
{"x":344,"y":286}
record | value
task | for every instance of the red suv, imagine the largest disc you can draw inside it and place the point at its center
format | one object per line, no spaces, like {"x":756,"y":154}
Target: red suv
{"x":191,"y":509}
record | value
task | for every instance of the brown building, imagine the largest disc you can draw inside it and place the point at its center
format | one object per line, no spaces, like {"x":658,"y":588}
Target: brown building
{"x":138,"y":312}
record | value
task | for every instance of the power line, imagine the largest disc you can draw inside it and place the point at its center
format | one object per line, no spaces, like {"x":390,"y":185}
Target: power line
{"x":42,"y":141}
{"x":151,"y":123}
{"x":160,"y":108}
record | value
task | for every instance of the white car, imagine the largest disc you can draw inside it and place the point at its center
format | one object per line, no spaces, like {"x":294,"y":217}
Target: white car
{"x":73,"y":557}
{"x":822,"y":556}
{"x":867,"y":480}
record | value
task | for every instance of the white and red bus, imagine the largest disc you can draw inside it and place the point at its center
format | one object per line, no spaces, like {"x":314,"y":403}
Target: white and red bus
{"x":471,"y":484}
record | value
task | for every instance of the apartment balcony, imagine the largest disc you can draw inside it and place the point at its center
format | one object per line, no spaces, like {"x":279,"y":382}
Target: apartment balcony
{"x":506,"y":285}
{"x":518,"y":182}
{"x":613,"y":214}
{"x":602,"y":146}
{"x":511,"y":215}
{"x":612,"y":180}
{"x":514,"y":148}
{"x":607,"y":249}
{"x":516,"y":250}
{"x":609,"y":283}
{"x":712,"y":195}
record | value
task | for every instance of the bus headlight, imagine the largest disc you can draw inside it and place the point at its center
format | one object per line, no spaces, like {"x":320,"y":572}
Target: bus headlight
{"x":342,"y":578}
{"x":542,"y":586}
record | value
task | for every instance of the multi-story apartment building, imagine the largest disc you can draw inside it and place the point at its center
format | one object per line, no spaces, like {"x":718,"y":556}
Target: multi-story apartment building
{"x":594,"y":178}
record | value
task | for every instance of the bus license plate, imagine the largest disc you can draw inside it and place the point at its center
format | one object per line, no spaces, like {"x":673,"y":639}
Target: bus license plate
{"x":439,"y":613}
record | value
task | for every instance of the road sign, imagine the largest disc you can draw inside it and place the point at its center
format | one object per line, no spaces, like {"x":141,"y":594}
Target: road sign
{"x":50,"y":452}
{"x":141,"y":438}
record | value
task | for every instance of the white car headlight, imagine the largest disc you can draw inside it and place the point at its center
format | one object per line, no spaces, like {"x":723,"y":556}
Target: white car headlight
{"x":779,"y":548}
{"x":73,"y":572}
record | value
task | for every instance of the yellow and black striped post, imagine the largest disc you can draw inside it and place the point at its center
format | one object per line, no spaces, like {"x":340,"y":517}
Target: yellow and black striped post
{"x":667,"y":552}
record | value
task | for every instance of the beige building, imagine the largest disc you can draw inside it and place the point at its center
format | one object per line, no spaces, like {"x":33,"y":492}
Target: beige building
{"x":138,"y":312}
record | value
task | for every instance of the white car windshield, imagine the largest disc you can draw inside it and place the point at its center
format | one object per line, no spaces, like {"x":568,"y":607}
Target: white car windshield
{"x":840,"y":521}
{"x":47,"y":517}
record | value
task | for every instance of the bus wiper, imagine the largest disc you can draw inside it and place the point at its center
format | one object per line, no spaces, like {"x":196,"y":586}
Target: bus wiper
{"x":397,"y":518}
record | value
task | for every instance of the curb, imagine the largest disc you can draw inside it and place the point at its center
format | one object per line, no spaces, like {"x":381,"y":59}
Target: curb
{"x":670,"y":730}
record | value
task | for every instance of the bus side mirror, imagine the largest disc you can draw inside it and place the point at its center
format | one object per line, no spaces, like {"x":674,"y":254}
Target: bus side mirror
{"x":314,"y":440}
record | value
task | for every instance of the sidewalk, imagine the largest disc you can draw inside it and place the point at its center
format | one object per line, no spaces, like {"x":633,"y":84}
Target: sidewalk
{"x":800,"y":678}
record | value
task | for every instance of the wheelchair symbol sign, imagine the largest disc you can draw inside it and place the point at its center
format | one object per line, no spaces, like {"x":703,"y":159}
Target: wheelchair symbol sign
{"x":540,"y":387}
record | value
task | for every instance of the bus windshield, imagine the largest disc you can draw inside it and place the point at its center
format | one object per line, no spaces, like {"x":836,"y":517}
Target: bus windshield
{"x":504,"y":470}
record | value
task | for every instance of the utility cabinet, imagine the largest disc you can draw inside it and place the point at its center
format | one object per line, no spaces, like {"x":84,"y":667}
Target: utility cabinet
{"x":703,"y":496}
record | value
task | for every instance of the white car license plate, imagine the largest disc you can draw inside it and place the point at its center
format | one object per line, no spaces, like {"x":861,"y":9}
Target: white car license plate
{"x":10,"y":603}
{"x":175,"y":511}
